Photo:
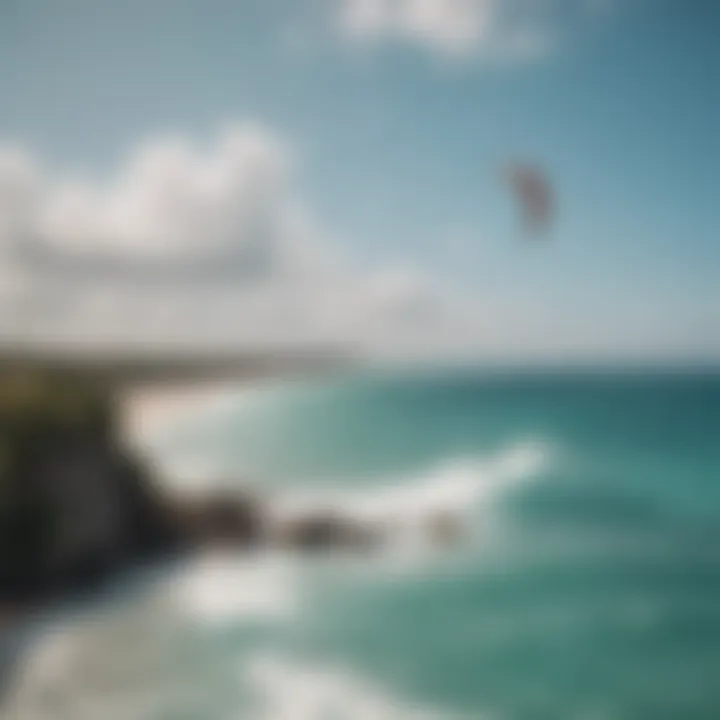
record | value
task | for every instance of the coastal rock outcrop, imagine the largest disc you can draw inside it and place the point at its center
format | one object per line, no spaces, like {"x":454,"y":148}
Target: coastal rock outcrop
{"x":75,"y":505}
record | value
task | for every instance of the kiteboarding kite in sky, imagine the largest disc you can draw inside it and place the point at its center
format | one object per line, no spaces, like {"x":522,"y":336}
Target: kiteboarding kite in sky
{"x":535,"y":195}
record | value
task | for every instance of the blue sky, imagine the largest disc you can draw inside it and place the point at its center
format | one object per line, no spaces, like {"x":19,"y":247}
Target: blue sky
{"x":396,"y":140}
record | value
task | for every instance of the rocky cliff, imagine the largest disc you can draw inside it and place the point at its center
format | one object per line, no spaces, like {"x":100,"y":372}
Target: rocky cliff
{"x":75,"y":505}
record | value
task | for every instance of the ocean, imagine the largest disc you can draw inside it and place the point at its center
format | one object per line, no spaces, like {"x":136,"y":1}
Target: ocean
{"x":585,"y":586}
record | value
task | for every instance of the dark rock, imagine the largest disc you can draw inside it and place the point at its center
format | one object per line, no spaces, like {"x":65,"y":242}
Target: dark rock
{"x":80,"y":510}
{"x":325,"y":531}
{"x":75,"y":505}
{"x":223,"y":518}
{"x":444,"y":527}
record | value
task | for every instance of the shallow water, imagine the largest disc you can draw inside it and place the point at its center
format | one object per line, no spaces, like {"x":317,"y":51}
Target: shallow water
{"x":587,"y":585}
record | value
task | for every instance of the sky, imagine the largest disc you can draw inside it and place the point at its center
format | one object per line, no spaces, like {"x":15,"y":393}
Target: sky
{"x":296,"y":171}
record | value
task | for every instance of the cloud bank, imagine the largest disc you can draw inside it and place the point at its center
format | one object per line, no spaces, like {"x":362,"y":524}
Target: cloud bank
{"x":195,"y":246}
{"x":212,"y":247}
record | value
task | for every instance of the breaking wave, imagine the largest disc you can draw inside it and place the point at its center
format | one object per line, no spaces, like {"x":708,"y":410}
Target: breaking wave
{"x":126,"y":662}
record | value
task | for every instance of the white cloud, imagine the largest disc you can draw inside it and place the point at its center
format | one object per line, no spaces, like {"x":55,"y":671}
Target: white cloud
{"x":172,"y":202}
{"x":499,"y":29}
{"x":450,"y":25}
{"x":209,"y":247}
{"x":214,"y":248}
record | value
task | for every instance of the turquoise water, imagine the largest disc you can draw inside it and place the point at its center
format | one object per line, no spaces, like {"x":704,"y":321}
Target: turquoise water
{"x":588,"y":585}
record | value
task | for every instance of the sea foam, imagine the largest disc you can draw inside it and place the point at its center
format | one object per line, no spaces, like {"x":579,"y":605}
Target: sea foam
{"x":459,"y":486}
{"x":123,"y":662}
{"x":285,"y":689}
